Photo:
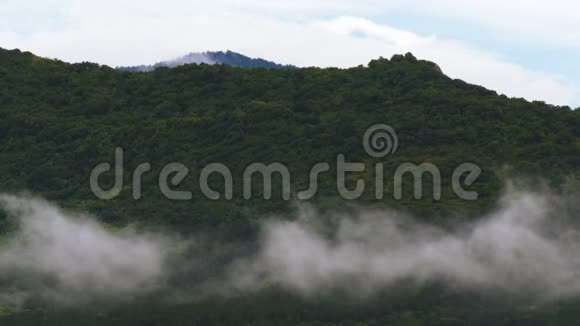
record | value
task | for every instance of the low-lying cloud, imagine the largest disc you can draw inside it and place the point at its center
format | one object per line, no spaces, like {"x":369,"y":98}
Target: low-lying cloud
{"x":522,"y":249}
{"x":71,"y":259}
{"x":527,"y":247}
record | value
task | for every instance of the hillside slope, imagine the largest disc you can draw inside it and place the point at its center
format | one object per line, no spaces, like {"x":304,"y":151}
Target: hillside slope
{"x":59,"y":120}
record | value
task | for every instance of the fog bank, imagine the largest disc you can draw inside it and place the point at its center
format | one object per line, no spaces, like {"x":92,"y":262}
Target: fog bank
{"x":528,"y":246}
{"x":525,"y":247}
{"x":72,"y":259}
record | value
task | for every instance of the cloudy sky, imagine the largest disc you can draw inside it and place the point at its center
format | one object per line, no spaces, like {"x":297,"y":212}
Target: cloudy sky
{"x":520,"y":48}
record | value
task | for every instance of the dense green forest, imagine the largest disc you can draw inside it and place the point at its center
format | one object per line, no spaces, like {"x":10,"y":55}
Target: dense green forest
{"x":59,"y":120}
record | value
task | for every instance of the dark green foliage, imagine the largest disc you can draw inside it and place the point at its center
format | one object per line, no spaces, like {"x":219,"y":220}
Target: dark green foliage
{"x":59,"y":120}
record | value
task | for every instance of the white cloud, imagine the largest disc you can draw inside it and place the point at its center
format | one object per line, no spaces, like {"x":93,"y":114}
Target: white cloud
{"x":127,"y":34}
{"x":71,"y":259}
{"x":534,"y":21}
{"x":518,"y":250}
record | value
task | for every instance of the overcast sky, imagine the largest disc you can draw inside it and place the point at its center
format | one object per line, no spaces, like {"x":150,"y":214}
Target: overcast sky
{"x":520,"y":48}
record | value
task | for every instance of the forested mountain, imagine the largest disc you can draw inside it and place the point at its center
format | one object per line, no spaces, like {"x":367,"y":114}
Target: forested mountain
{"x":59,"y":120}
{"x":211,"y":57}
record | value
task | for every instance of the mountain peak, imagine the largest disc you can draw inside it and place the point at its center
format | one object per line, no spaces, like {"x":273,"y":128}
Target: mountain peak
{"x":211,"y":57}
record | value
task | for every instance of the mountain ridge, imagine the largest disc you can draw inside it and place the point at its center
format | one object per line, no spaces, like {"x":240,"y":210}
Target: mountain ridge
{"x":238,"y":116}
{"x":228,"y":57}
{"x":58,"y":121}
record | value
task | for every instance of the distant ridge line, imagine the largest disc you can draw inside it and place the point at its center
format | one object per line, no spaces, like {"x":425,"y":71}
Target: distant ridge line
{"x":211,"y":57}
